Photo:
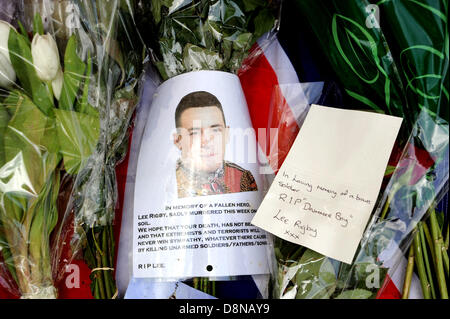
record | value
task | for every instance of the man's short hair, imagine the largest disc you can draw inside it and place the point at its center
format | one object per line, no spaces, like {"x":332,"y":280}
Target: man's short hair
{"x":197,"y":99}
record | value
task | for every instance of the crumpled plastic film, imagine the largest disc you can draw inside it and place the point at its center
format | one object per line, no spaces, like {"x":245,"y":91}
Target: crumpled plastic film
{"x":418,"y":183}
{"x":390,"y":57}
{"x":65,"y":114}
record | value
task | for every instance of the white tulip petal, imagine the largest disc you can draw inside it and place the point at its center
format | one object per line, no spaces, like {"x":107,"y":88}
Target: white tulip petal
{"x":45,"y":56}
{"x":57,"y":84}
{"x":5,"y":28}
{"x":7,"y":74}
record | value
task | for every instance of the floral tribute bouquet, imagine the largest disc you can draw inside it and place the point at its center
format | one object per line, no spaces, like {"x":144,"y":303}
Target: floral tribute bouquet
{"x":391,"y":74}
{"x":67,"y":97}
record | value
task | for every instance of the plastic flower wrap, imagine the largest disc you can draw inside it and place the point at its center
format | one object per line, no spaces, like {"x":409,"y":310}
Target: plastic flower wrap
{"x":37,"y":128}
{"x":94,"y":195}
{"x":63,"y":123}
{"x":384,"y":67}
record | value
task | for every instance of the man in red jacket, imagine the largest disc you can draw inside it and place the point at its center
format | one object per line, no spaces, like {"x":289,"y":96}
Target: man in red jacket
{"x":201,"y":137}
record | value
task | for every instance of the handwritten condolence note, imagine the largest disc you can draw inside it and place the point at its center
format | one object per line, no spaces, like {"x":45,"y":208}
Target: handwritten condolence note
{"x":326,"y":189}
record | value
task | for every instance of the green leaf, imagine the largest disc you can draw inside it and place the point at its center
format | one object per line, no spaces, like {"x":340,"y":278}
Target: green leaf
{"x":355,"y":294}
{"x":4,"y":119}
{"x":440,"y":216}
{"x":38,"y":27}
{"x":26,"y":180}
{"x":78,"y":135}
{"x":162,"y":70}
{"x":156,"y":8}
{"x":358,"y":48}
{"x":14,"y":204}
{"x":389,"y":170}
{"x":264,"y":22}
{"x":24,"y":32}
{"x":43,"y":223}
{"x":251,"y":5}
{"x":316,"y":277}
{"x":196,"y":58}
{"x":243,"y":42}
{"x":27,"y":144}
{"x":208,"y":35}
{"x":74,"y":70}
{"x":22,"y":61}
{"x":84,"y":106}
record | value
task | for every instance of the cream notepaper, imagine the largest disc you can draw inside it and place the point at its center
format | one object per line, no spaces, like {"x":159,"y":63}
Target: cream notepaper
{"x":326,"y":189}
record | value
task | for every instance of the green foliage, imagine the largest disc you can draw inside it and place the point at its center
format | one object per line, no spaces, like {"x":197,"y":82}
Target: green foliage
{"x":83,"y":105}
{"x":157,"y":5}
{"x":316,"y":278}
{"x":77,"y":136}
{"x":24,"y":32}
{"x":74,"y":71}
{"x":208,"y":35}
{"x":26,"y":142}
{"x":36,"y":132}
{"x":264,"y":22}
{"x":4,"y":119}
{"x":28,"y":213}
{"x":251,"y":5}
{"x":22,"y":61}
{"x":38,"y":27}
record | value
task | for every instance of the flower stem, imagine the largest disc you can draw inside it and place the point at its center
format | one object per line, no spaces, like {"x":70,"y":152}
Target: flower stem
{"x":96,"y":290}
{"x":111,"y":249}
{"x":421,"y":267}
{"x":50,"y":89}
{"x":204,"y":285}
{"x":409,"y":273}
{"x":111,"y":244}
{"x":438,"y":247}
{"x":99,"y":277}
{"x":207,"y":286}
{"x":19,"y":256}
{"x":447,"y":237}
{"x":426,"y":231}
{"x":445,"y":253}
{"x":195,"y":280}
{"x":445,"y":259}
{"x":105,"y":271}
{"x":98,"y":259}
{"x":386,"y":207}
{"x":426,"y":259}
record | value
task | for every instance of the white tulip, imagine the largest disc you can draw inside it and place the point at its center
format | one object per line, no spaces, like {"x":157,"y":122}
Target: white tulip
{"x":57,"y":84}
{"x":7,"y":73}
{"x":5,"y":28}
{"x":45,"y":56}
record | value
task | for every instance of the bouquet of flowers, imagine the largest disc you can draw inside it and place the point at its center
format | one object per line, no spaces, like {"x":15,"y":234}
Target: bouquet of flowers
{"x":392,"y":77}
{"x":39,"y":140}
{"x":64,"y":123}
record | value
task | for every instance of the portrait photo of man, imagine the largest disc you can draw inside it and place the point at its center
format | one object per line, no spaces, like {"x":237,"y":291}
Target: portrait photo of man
{"x":201,"y":136}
